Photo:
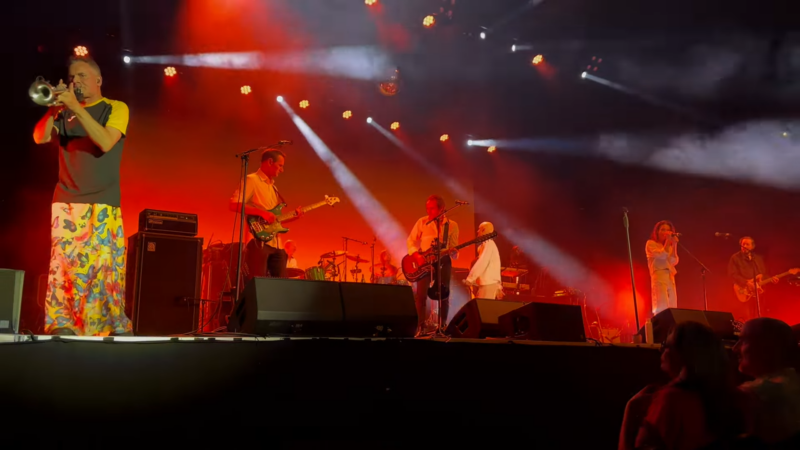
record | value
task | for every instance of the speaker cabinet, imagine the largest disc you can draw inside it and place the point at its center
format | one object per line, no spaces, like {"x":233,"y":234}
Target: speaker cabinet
{"x":479,"y":318}
{"x":163,"y":283}
{"x":720,"y":322}
{"x":291,"y":307}
{"x":544,"y":322}
{"x":378,"y":310}
{"x":11,"y":282}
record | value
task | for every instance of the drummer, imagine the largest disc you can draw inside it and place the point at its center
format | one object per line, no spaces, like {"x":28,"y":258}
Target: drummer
{"x":385,"y":272}
{"x":290,"y":248}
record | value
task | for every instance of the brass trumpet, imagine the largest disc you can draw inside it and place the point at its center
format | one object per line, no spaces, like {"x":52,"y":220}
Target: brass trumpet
{"x":43,"y":93}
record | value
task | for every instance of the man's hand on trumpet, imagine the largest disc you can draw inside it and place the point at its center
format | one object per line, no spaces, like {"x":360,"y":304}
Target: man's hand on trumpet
{"x":67,"y":98}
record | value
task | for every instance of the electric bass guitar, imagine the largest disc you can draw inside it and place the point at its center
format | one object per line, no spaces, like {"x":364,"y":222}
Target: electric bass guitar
{"x":266,"y":232}
{"x":745,"y":293}
{"x":419,"y":264}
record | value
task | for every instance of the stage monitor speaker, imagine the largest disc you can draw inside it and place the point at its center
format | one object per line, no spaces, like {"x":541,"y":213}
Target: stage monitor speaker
{"x":163,"y":283}
{"x":11,"y":282}
{"x":544,"y":322}
{"x":720,"y":322}
{"x":479,"y":318}
{"x":381,"y":310}
{"x":288,"y":307}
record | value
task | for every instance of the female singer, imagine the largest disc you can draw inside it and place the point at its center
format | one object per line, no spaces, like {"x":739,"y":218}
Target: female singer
{"x":662,"y":257}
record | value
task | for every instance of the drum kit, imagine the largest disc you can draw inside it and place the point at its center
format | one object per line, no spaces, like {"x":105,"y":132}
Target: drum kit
{"x":330,"y":268}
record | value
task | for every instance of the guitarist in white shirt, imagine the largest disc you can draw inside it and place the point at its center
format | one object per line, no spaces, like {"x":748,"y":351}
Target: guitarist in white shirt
{"x":746,"y":266}
{"x":261,"y":195}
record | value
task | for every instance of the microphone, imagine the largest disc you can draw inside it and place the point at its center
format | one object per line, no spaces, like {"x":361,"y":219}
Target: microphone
{"x":459,"y":202}
{"x":676,"y":234}
{"x":722,"y":235}
{"x":285,"y":142}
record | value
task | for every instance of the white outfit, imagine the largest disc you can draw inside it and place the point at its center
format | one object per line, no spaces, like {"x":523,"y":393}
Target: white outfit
{"x":485,"y":273}
{"x":662,"y":275}
{"x":291,"y":263}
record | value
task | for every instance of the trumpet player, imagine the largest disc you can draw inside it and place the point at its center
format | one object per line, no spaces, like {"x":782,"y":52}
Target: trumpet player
{"x":86,"y":281}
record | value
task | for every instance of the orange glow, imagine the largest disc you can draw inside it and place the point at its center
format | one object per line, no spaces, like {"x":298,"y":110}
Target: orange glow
{"x":304,"y":104}
{"x":491,"y":149}
{"x":395,"y":125}
{"x":428,"y":21}
{"x":537,"y":59}
{"x":444,"y":138}
{"x":170,"y":71}
{"x":370,"y":2}
{"x":246,"y":90}
{"x":347,"y":114}
{"x":81,"y":51}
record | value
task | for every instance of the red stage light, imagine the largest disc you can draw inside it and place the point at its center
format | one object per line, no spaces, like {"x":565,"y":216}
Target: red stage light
{"x":170,"y":71}
{"x":246,"y":90}
{"x":395,"y":125}
{"x":537,"y":59}
{"x":81,"y":51}
{"x":428,"y":21}
{"x":304,"y":104}
{"x":444,"y":138}
{"x":347,"y":114}
{"x":491,"y":149}
{"x":370,"y":2}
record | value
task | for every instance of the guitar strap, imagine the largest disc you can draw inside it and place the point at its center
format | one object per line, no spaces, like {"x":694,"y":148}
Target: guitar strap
{"x":278,"y":193}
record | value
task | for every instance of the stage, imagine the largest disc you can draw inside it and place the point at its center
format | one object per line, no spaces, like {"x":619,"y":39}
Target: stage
{"x":380,"y":393}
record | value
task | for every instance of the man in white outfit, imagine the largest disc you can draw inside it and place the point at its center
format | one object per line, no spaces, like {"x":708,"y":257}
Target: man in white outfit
{"x":485,"y":272}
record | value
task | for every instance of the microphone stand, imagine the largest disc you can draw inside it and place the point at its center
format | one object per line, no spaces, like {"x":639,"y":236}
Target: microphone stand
{"x":438,"y":256}
{"x":372,"y":268}
{"x":630,"y":260}
{"x":755,"y":286}
{"x":703,"y":271}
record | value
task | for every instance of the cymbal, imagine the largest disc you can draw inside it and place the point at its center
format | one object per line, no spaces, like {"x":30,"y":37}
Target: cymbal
{"x":357,"y":259}
{"x":334,"y":254}
{"x":512,"y":272}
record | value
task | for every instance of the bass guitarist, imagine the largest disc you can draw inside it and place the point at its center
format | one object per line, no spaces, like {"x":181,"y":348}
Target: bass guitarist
{"x":422,"y":237}
{"x":261,"y":195}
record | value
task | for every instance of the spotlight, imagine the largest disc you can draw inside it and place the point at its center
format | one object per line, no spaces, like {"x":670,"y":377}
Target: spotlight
{"x":514,"y":48}
{"x":369,"y":119}
{"x":469,"y":142}
{"x":537,"y":59}
{"x":444,"y":137}
{"x":395,"y":125}
{"x":126,"y":59}
{"x":304,"y":104}
{"x":280,"y":99}
{"x":483,"y":35}
{"x":491,"y":149}
{"x":785,"y":134}
{"x":347,"y":114}
{"x":428,"y":21}
{"x":81,"y":51}
{"x":170,"y":71}
{"x":370,"y":2}
{"x":246,"y":90}
{"x":583,"y":75}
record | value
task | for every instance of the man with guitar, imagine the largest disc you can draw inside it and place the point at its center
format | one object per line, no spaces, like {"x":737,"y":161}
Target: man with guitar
{"x":749,"y":273}
{"x":422,"y":237}
{"x":264,"y":257}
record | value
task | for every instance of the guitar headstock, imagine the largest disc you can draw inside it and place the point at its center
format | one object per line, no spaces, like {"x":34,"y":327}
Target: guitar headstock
{"x":331,"y":200}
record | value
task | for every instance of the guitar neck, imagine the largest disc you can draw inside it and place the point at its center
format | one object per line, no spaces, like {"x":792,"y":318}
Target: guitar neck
{"x":304,"y":209}
{"x":477,"y":240}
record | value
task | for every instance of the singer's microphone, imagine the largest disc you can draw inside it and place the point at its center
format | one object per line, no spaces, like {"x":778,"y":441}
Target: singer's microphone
{"x":459,"y":202}
{"x":285,"y":142}
{"x":722,"y":235}
{"x":676,"y":234}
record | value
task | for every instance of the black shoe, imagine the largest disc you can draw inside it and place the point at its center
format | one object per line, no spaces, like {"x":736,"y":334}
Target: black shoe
{"x":62,"y":332}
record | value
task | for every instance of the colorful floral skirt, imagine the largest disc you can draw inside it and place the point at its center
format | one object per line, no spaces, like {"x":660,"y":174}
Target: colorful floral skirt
{"x":86,"y":282}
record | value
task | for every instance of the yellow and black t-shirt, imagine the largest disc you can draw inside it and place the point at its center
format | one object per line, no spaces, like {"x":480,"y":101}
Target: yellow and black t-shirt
{"x":85,"y":173}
